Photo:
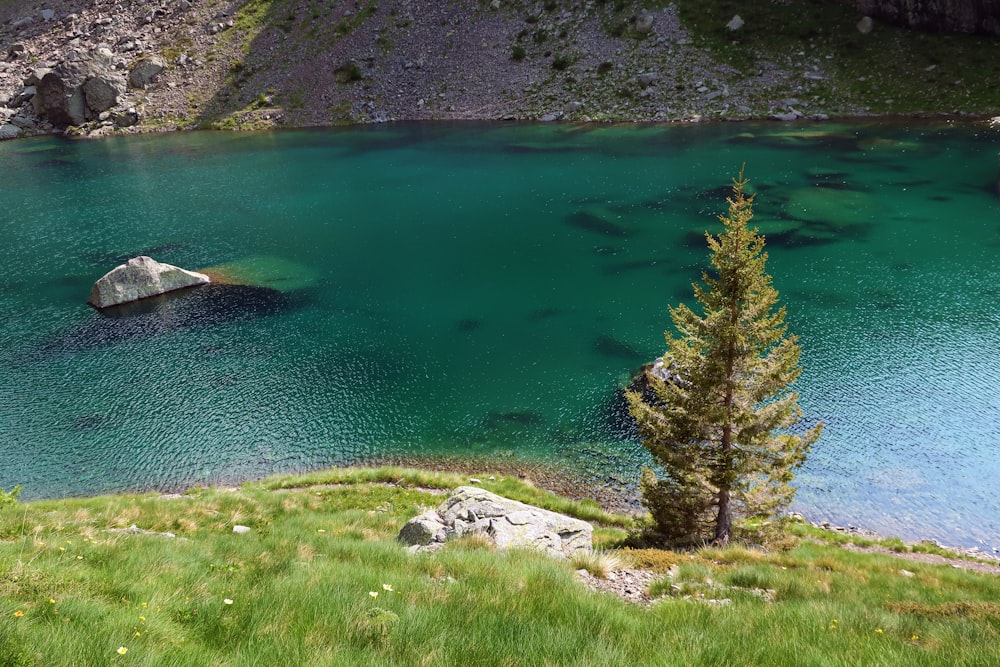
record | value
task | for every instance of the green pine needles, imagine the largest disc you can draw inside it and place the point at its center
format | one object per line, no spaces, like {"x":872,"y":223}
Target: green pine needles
{"x":719,"y":419}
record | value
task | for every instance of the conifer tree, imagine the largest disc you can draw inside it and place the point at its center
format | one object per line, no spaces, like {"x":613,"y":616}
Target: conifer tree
{"x":717,"y":420}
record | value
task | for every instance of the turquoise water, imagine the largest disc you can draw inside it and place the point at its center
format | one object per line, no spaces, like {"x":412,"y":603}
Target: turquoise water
{"x":486,"y":289}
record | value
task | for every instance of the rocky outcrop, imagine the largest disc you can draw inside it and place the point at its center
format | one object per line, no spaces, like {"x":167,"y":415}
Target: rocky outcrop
{"x":139,"y":278}
{"x":78,"y":89}
{"x":506,"y":523}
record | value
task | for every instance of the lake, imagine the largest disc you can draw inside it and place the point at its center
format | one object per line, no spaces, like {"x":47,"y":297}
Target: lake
{"x":485,"y":290}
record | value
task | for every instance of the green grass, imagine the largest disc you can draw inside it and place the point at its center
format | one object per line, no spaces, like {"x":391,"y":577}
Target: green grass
{"x":891,"y":70}
{"x":73,"y":590}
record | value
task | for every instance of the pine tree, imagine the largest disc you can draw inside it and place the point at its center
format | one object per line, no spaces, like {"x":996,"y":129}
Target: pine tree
{"x":720,"y":411}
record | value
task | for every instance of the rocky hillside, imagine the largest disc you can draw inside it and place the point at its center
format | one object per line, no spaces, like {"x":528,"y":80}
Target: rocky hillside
{"x":103,"y":66}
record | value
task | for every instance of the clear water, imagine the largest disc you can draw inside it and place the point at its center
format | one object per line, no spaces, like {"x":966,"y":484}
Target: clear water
{"x":485,"y":289}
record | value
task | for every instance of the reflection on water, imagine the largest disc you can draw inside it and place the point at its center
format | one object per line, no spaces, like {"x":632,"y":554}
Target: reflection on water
{"x":486,"y":290}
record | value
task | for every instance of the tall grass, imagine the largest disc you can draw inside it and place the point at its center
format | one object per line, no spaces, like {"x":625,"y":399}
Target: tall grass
{"x":320,"y":580}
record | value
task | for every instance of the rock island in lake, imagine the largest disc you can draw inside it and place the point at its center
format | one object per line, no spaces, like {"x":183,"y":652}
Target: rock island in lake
{"x":139,"y":278}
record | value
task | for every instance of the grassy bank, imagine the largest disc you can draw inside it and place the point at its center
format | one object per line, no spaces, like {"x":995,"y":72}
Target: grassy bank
{"x":320,"y":580}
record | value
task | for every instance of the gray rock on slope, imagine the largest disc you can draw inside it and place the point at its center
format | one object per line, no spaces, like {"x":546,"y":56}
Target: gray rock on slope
{"x":139,"y":278}
{"x":506,"y":523}
{"x":145,"y":72}
{"x":78,"y":89}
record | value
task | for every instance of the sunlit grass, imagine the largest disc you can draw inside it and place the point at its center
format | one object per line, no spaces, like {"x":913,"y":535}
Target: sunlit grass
{"x":320,"y":580}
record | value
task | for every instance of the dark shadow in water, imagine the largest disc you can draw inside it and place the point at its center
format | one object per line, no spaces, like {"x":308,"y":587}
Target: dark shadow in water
{"x":469,"y":324}
{"x":540,"y":314}
{"x":609,"y":346}
{"x":596,"y":224}
{"x":193,"y":308}
{"x":514,"y":417}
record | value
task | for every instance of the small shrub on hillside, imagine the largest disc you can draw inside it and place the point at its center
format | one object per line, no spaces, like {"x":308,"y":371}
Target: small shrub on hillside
{"x":928,"y":547}
{"x":9,"y":497}
{"x":618,"y":28}
{"x":518,"y":53}
{"x":895,"y":544}
{"x":349,"y":72}
{"x":560,"y":63}
{"x":598,"y":563}
{"x":657,"y":560}
{"x":373,"y":626}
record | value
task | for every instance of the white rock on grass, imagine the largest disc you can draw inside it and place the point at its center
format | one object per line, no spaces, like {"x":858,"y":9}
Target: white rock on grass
{"x":504,"y":522}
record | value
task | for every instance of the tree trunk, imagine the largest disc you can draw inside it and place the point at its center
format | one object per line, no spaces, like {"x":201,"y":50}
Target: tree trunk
{"x":724,"y":521}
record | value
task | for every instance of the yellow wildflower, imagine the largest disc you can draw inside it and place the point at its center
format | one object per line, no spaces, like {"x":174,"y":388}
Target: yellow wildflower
{"x":52,"y":601}
{"x":19,"y":613}
{"x":227,"y":601}
{"x":879,"y":630}
{"x":387,"y":587}
{"x":373,"y":594}
{"x":122,"y":650}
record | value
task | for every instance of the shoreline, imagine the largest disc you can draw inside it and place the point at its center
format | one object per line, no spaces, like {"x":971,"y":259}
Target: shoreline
{"x":947,"y":118}
{"x":574,"y":486}
{"x":577,"y":488}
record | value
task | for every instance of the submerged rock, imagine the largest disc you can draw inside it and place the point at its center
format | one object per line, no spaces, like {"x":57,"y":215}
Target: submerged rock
{"x":609,"y":346}
{"x":139,"y":278}
{"x":597,"y":224}
{"x":504,"y":522}
{"x":837,"y":208}
{"x":264,"y":271}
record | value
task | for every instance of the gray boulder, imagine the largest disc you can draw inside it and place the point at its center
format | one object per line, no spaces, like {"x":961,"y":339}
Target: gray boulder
{"x":424,"y":529}
{"x":78,"y":89}
{"x":145,"y":72}
{"x":9,"y":131}
{"x":647,"y":79}
{"x":139,"y":278}
{"x":100,"y":94}
{"x":506,"y":523}
{"x":643,"y":23}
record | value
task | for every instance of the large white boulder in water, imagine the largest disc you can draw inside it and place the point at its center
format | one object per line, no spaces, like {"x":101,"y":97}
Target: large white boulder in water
{"x":506,"y":523}
{"x":139,"y":278}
